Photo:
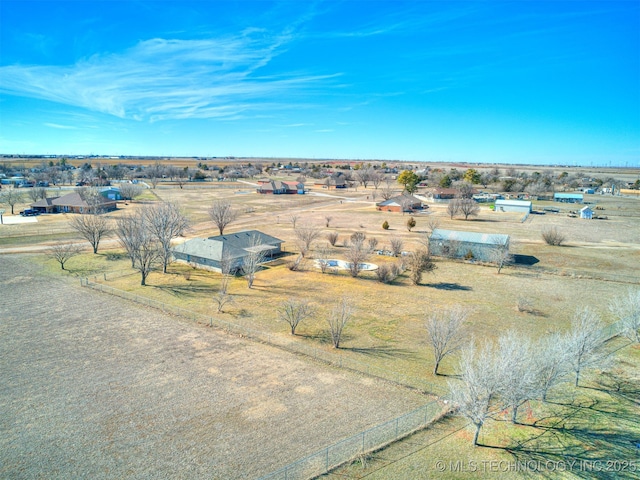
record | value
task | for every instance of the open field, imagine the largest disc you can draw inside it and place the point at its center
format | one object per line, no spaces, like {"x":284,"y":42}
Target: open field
{"x":97,"y":387}
{"x":600,"y":260}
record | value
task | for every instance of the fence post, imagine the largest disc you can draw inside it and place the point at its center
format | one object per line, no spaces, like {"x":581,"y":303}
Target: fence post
{"x":327,"y":463}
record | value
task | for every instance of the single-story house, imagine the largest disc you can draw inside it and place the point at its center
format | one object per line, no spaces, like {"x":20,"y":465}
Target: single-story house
{"x":442,"y":193}
{"x":276,"y":187}
{"x":208,"y":253}
{"x":586,"y":212}
{"x":470,"y":245}
{"x":73,"y":203}
{"x":568,"y":197}
{"x":332,"y":182}
{"x":401,"y":203}
{"x":520,"y":206}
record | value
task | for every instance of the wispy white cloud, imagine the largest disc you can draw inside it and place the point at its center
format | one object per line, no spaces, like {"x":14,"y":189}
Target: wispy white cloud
{"x":58,"y":126}
{"x":170,"y":79}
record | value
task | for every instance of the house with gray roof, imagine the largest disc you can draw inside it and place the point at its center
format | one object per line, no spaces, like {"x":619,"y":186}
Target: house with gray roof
{"x":74,"y":203}
{"x":469,"y":245}
{"x":208,"y":253}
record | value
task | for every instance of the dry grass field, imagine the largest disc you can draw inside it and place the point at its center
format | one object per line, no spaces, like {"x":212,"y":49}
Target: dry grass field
{"x":599,"y":261}
{"x":96,"y":387}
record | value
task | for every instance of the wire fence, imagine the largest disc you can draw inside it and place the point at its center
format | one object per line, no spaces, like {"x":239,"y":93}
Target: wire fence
{"x":334,"y":358}
{"x":352,"y":447}
{"x":360,"y":444}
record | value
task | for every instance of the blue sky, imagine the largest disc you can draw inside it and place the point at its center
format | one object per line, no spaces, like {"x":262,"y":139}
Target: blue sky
{"x":509,"y":82}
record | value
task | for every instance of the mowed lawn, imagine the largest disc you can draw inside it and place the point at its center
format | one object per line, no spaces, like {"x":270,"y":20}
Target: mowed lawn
{"x":96,"y":387}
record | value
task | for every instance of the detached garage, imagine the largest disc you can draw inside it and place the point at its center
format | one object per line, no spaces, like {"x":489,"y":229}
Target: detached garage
{"x":519,"y":206}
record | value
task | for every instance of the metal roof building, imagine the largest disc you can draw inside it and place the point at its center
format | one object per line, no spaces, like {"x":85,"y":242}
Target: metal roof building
{"x":470,"y":245}
{"x":520,"y":206}
{"x":568,"y":197}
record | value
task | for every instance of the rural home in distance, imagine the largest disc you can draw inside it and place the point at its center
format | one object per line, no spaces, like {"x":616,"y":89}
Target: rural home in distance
{"x":399,"y":204}
{"x":470,"y":245}
{"x":208,"y":253}
{"x":277,"y":187}
{"x":73,"y":203}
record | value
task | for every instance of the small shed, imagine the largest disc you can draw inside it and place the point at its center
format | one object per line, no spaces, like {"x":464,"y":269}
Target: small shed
{"x":586,"y":212}
{"x":519,"y":206}
{"x":568,"y":197}
{"x":470,"y":245}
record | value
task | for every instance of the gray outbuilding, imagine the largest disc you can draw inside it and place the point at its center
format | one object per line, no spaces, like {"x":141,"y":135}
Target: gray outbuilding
{"x":519,"y":206}
{"x":470,"y":245}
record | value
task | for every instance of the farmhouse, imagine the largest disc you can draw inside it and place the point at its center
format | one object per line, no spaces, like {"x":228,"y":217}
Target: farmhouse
{"x":276,"y":187}
{"x":401,"y":203}
{"x":471,"y":245}
{"x":208,"y":253}
{"x":520,"y":206}
{"x":73,"y":203}
{"x":568,"y":197}
{"x":586,"y":212}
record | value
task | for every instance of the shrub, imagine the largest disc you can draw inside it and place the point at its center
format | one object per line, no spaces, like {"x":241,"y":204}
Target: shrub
{"x":468,"y":255}
{"x":332,"y":237}
{"x":385,"y":225}
{"x":552,"y":236}
{"x":411,"y":223}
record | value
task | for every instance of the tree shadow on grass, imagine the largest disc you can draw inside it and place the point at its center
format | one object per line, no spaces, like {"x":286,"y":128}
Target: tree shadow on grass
{"x":596,"y":437}
{"x":382,"y":351}
{"x":447,"y":286}
{"x":183,"y":291}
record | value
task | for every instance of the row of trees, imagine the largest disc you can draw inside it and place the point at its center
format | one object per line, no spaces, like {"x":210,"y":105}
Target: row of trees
{"x":502,"y":376}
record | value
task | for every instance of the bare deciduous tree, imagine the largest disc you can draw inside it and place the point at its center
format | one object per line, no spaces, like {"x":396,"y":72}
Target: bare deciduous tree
{"x":499,"y":253}
{"x":549,"y":364}
{"x":332,"y":237}
{"x":253,"y":260}
{"x":585,"y":348}
{"x":11,"y":197}
{"x":445,"y":332}
{"x":626,"y":310}
{"x":93,"y":227}
{"x":127,"y":228}
{"x":166,"y":222}
{"x":293,"y":218}
{"x":515,"y":373}
{"x":468,"y":207}
{"x":396,"y":245}
{"x":327,"y":221}
{"x":130,"y":191}
{"x":293,"y":312}
{"x":453,"y":207}
{"x":148,"y":253}
{"x":552,"y":236}
{"x":357,"y":254}
{"x":419,"y":262}
{"x":373,"y":243}
{"x":340,"y":315}
{"x":479,"y":386}
{"x":387,"y":192}
{"x":322,"y":256}
{"x":63,"y":252}
{"x":222,"y":214}
{"x":306,"y":235}
{"x":37,"y":193}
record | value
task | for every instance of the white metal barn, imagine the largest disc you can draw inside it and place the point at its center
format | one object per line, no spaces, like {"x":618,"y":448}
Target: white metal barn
{"x":519,"y":206}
